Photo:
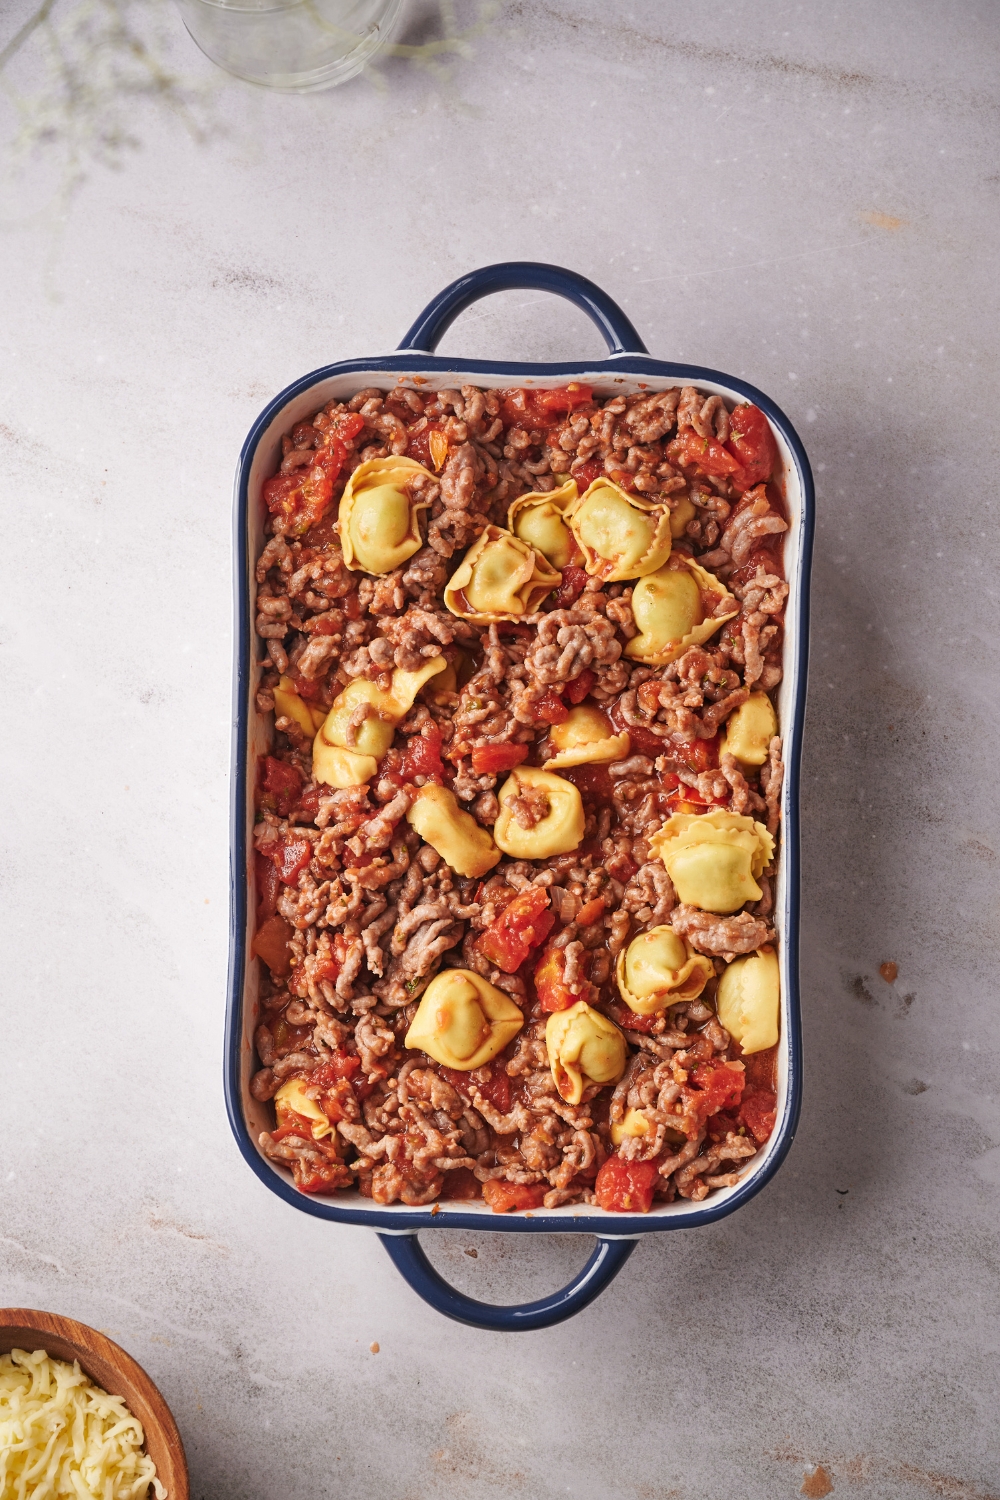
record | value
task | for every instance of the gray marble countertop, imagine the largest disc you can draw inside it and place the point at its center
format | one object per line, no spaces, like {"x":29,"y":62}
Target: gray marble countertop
{"x":803,"y":194}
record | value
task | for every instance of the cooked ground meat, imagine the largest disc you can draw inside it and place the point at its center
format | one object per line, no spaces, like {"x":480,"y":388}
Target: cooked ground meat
{"x":356,"y":913}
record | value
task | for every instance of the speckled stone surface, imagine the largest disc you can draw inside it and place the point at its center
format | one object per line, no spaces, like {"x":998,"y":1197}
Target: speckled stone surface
{"x":803,"y":194}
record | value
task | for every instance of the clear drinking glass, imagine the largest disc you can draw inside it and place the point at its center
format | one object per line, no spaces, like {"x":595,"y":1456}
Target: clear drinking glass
{"x":295,"y":45}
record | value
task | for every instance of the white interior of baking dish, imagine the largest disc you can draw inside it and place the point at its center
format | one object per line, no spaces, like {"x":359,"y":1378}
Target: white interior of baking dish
{"x":265,"y":462}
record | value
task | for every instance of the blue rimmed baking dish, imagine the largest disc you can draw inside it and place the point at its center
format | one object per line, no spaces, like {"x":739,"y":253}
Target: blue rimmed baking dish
{"x":627,"y":368}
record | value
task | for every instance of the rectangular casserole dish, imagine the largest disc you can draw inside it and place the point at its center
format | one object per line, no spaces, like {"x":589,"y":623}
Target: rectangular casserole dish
{"x":627,"y":368}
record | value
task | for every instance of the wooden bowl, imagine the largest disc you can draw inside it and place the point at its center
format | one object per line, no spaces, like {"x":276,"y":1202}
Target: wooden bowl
{"x":115,"y":1372}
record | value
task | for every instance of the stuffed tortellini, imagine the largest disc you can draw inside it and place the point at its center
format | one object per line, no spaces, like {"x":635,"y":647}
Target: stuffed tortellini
{"x":292,"y":1099}
{"x":669,"y":608}
{"x":462,"y":1021}
{"x":540,"y":814}
{"x":360,"y":726}
{"x":683,"y":512}
{"x":658,"y":969}
{"x":632,"y":1123}
{"x":714,"y":858}
{"x":748,"y":1000}
{"x":455,"y":834}
{"x":500,"y":578}
{"x":750,"y":730}
{"x":584,"y":1048}
{"x":379,"y":520}
{"x":587,"y":737}
{"x":540,"y":520}
{"x":288,"y":704}
{"x":620,"y":535}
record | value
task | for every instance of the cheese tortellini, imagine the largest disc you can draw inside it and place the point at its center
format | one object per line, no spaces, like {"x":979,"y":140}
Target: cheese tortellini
{"x":455,"y":834}
{"x":540,"y":520}
{"x":658,"y":969}
{"x":748,"y":1000}
{"x":500,"y":578}
{"x":584,"y":1048}
{"x":346,"y":752}
{"x":292,"y":1098}
{"x":683,"y":512}
{"x":633,"y":1123}
{"x":586,"y":738}
{"x":750,"y":730}
{"x":379,"y":523}
{"x":288,"y":703}
{"x":620,"y":535}
{"x":714,"y":858}
{"x":669,"y":610}
{"x":462,"y":1021}
{"x":540,"y":814}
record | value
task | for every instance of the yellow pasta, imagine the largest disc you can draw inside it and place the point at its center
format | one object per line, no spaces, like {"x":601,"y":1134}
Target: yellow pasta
{"x":539,"y":519}
{"x":620,"y":535}
{"x":669,"y":609}
{"x":379,"y":523}
{"x":586,"y":737}
{"x":500,"y":578}
{"x":714,"y":858}
{"x":462,"y":1021}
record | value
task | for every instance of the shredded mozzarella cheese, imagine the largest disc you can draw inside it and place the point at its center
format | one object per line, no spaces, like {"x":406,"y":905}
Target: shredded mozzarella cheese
{"x":62,"y":1436}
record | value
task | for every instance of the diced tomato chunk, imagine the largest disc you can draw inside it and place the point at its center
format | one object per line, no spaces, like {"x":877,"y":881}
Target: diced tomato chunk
{"x":346,"y":425}
{"x":705,"y":455}
{"x":552,"y":993}
{"x":488,"y":759}
{"x":550,"y":709}
{"x":752,"y":442}
{"x":587,"y":473}
{"x":311,"y":1177}
{"x":573,"y":582}
{"x":504,"y":1196}
{"x":529,"y":408}
{"x":700,"y":755}
{"x":290,"y":857}
{"x":294,"y":1125}
{"x":280,"y":785}
{"x":339,"y":1064}
{"x":268,"y":887}
{"x":306,"y":688}
{"x":308,"y":803}
{"x":422,"y":757}
{"x":271,"y":944}
{"x":590,"y":912}
{"x":719,"y":1085}
{"x":302,"y":498}
{"x":567,"y":398}
{"x":626,"y":1187}
{"x":758,"y":1112}
{"x":629,"y":1021}
{"x":496,"y":1088}
{"x":578,"y":689}
{"x":522,"y":925}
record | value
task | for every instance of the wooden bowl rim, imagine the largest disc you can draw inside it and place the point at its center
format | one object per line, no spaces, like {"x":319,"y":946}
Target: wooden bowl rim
{"x":141,"y":1395}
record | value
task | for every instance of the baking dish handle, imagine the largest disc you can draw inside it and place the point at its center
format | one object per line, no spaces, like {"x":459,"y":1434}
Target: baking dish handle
{"x":511,"y":275}
{"x":412,"y":1264}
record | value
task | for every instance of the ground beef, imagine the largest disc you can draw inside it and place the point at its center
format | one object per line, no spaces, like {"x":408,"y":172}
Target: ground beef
{"x":368,"y":913}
